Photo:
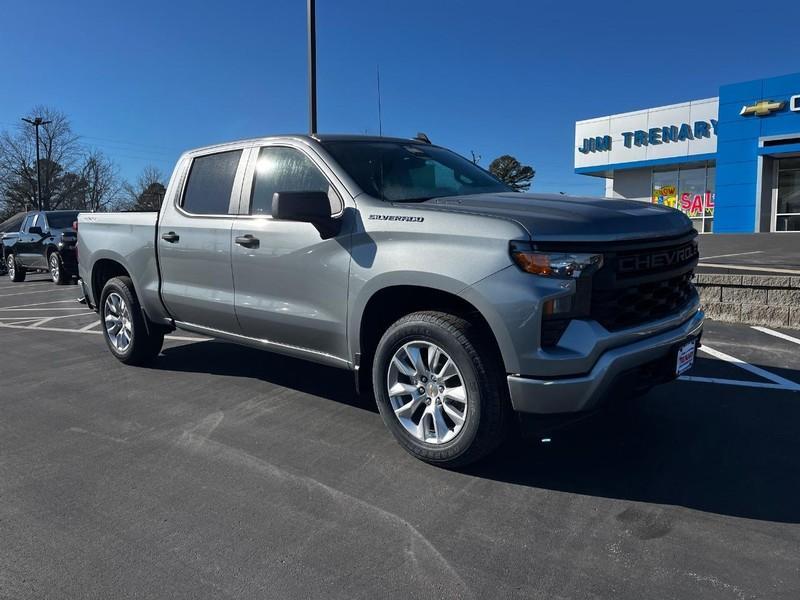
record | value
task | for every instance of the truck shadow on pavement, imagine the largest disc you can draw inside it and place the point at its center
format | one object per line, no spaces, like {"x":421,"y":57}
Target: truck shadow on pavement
{"x":231,"y":360}
{"x":720,"y":449}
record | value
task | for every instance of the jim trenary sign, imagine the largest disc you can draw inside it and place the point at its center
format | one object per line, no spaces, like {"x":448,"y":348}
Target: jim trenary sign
{"x":652,"y":136}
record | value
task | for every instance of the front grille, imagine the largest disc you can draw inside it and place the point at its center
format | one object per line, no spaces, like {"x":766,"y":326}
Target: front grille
{"x":640,"y":281}
{"x":633,"y":305}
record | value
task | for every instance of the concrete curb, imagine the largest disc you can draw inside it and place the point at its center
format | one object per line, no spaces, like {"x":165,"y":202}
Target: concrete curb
{"x":771,"y":300}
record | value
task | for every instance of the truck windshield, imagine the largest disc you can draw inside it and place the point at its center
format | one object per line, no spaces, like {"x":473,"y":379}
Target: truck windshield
{"x":61,"y":220}
{"x":410,"y":172}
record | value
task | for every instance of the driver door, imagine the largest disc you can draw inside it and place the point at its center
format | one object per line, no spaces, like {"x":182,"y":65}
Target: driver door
{"x":290,"y":285}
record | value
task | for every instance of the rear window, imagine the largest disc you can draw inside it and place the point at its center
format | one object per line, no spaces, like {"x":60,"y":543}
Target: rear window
{"x":61,"y":220}
{"x":208,"y":190}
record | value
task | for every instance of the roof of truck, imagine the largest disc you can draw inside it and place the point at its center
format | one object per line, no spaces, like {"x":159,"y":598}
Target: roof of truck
{"x":318,"y":137}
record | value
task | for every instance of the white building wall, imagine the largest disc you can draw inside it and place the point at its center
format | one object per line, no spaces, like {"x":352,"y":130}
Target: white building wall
{"x":631,"y":184}
{"x":616,"y":127}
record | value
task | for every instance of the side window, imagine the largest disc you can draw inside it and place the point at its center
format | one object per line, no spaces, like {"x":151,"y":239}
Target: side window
{"x":208,"y":189}
{"x":26,"y":224}
{"x":282,"y":169}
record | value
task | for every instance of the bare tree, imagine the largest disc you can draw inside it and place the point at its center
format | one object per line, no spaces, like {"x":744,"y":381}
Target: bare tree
{"x":59,"y":153}
{"x":148,"y":192}
{"x":101,"y":182}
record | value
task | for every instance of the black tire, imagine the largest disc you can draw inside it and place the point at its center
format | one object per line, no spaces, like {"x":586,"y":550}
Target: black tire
{"x":488,"y":409}
{"x":57,"y":273}
{"x":16,"y":273}
{"x":145,"y":340}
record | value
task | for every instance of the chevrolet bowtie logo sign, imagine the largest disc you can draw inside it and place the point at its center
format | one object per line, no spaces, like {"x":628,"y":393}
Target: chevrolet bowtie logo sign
{"x":761,"y":108}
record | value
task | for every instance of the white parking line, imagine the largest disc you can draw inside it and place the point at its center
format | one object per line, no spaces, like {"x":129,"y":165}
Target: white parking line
{"x":754,"y":384}
{"x":31,"y":292}
{"x":777,"y":334}
{"x":48,"y":319}
{"x":17,"y":321}
{"x":19,"y":286}
{"x":42,"y":304}
{"x":45,"y":320}
{"x":702,"y":258}
{"x":17,"y":309}
{"x":91,"y":325}
{"x":743,"y":268}
{"x":173,"y":338}
{"x":776,"y":379}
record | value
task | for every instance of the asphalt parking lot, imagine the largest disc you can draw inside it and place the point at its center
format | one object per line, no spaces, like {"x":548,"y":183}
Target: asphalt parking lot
{"x":225,"y":472}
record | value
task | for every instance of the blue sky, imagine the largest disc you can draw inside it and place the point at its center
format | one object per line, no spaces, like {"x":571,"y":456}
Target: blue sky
{"x":145,"y":80}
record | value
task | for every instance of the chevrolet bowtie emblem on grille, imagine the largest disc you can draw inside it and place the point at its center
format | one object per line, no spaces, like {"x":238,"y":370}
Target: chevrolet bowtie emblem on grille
{"x":761,"y":108}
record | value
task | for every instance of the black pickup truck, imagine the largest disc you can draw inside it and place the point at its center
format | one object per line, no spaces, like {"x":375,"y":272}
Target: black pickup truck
{"x":43,"y":241}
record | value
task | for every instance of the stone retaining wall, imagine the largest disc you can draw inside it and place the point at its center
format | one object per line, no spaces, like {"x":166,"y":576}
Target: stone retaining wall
{"x":768,"y":300}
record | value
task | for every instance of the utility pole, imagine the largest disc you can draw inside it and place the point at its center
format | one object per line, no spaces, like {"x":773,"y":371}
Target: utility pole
{"x":36,"y":122}
{"x":312,"y":68}
{"x":380,"y":120}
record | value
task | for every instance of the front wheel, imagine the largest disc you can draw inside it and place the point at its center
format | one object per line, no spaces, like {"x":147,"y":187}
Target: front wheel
{"x":126,"y":333}
{"x":440,"y":388}
{"x":57,"y":272}
{"x":15,"y":272}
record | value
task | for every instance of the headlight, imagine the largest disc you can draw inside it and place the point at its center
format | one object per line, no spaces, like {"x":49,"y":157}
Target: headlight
{"x":558,"y":265}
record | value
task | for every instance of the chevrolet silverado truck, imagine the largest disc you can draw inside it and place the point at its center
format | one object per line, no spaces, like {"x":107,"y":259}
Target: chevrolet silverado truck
{"x":454,"y":299}
{"x":43,"y":241}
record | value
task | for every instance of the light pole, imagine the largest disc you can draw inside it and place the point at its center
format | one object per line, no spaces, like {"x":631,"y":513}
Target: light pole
{"x":312,"y":68}
{"x":36,"y":122}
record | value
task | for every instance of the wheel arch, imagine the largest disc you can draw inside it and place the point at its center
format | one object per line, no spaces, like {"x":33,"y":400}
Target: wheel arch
{"x":103,"y":270}
{"x":388,"y":304}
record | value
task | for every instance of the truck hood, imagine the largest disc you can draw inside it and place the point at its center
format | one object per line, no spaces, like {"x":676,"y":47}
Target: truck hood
{"x":553,"y":217}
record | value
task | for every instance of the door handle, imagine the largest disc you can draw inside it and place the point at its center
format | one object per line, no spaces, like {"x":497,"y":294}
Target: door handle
{"x":248,"y":241}
{"x":171,"y":237}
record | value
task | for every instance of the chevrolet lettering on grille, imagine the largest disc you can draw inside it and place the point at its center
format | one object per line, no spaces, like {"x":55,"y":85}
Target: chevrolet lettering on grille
{"x":656,"y":260}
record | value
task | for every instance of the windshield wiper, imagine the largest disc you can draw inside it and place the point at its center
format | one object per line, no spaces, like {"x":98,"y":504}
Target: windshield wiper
{"x":420,"y":199}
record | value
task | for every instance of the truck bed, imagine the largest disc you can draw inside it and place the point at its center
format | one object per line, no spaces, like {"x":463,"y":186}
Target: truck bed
{"x":129,"y":239}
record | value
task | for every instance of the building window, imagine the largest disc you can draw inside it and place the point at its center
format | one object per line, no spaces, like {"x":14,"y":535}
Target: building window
{"x":665,"y":188}
{"x":787,"y":217}
{"x":690,"y":190}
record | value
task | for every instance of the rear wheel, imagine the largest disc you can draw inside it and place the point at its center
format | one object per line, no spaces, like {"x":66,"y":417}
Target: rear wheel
{"x":129,"y":337}
{"x":57,"y":272}
{"x":440,"y":388}
{"x":16,"y":273}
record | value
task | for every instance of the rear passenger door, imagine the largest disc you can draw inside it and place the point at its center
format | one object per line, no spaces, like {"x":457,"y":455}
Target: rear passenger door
{"x":291,"y":285}
{"x":194,"y":241}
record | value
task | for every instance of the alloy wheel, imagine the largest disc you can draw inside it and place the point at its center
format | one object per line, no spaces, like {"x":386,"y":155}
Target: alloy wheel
{"x":427,"y":392}
{"x":117,"y":322}
{"x":11,"y":266}
{"x":54,"y":267}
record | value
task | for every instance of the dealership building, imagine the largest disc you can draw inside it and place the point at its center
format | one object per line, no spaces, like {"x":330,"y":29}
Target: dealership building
{"x":731,"y":163}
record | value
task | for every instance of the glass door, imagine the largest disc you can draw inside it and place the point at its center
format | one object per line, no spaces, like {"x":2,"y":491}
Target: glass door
{"x":787,"y":213}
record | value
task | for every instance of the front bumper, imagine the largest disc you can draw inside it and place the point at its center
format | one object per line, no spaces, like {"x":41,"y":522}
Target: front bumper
{"x":575,"y":394}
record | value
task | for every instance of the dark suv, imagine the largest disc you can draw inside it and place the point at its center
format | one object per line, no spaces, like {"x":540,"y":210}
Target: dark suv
{"x":43,"y":241}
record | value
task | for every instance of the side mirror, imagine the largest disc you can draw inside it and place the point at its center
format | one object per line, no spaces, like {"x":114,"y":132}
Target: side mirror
{"x":306,"y":207}
{"x":35,"y":230}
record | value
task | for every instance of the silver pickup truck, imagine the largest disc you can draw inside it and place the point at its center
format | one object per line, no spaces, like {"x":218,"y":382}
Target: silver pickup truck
{"x":455,"y":300}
